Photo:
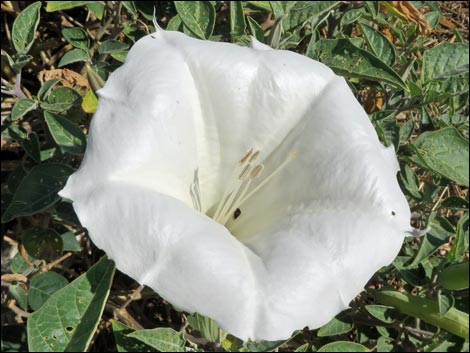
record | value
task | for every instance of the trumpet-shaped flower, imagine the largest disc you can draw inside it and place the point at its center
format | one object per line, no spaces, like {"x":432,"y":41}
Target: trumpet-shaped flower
{"x":243,"y":183}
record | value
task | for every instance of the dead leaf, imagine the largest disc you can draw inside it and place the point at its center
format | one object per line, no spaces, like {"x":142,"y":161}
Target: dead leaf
{"x":373,"y":100}
{"x":68,"y":78}
{"x":406,"y":10}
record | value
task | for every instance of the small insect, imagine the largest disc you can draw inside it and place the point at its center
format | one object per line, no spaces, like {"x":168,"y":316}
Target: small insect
{"x":237,"y":213}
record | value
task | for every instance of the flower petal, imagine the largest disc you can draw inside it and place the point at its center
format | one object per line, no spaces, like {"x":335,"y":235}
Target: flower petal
{"x":180,"y":104}
{"x":310,"y":238}
{"x":186,"y":257}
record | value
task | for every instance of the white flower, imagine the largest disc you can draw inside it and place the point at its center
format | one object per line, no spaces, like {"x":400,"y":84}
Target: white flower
{"x":318,"y":208}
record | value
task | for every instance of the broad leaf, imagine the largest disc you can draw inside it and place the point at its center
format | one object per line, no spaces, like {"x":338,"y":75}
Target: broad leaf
{"x":379,"y":44}
{"x":334,"y":327}
{"x":207,"y":327}
{"x":125,"y":343}
{"x":68,"y":135}
{"x":237,"y":19}
{"x":445,"y":152}
{"x":162,"y":339}
{"x":111,"y":46}
{"x":62,"y":99}
{"x":445,"y":60}
{"x":73,"y":56}
{"x":350,"y":61}
{"x":343,"y":346}
{"x":25,"y":26}
{"x":69,"y":318}
{"x":38,"y":190}
{"x":197,"y":16}
{"x":43,"y":243}
{"x":77,"y":37}
{"x":21,"y":107}
{"x":454,"y":321}
{"x":42,"y":286}
{"x":64,"y":5}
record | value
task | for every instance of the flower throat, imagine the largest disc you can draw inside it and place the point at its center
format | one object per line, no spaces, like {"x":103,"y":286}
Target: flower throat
{"x":238,"y":190}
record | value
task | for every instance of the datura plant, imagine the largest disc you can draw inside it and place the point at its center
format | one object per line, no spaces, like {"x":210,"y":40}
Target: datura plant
{"x":243,"y":183}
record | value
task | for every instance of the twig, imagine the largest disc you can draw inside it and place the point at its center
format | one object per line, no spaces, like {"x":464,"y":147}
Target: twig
{"x":12,"y":306}
{"x":56,"y":262}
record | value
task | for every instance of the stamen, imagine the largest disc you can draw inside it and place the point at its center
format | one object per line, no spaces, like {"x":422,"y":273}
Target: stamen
{"x":257,"y":171}
{"x":254,"y":174}
{"x":245,"y":172}
{"x":254,"y":156}
{"x":246,"y":156}
{"x":293,"y":155}
{"x":239,"y":188}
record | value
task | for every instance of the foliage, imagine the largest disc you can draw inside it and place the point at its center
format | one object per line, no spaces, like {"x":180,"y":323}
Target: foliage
{"x":413,"y":83}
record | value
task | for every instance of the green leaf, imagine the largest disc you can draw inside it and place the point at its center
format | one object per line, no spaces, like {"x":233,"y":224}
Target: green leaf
{"x":69,"y":318}
{"x":455,"y":203}
{"x":64,"y":5}
{"x":97,"y":8}
{"x":389,"y":131}
{"x":197,"y":16}
{"x":433,"y":18}
{"x":77,"y":37}
{"x":18,"y":264}
{"x":445,"y":60}
{"x":437,"y":236}
{"x":62,"y":99}
{"x":21,"y":107}
{"x":460,"y":247}
{"x":46,"y":89}
{"x":96,"y":82}
{"x":302,"y":12}
{"x":70,"y":242}
{"x":38,"y":190}
{"x":32,"y":147}
{"x":127,"y":344}
{"x":68,"y":135}
{"x":73,"y":56}
{"x":256,"y":29}
{"x":410,"y":182}
{"x":379,"y":44}
{"x":120,"y":55}
{"x":111,"y":46}
{"x":263,"y":5}
{"x":445,"y":152}
{"x":382,"y":313}
{"x":20,"y":62}
{"x":20,"y":295}
{"x":42,"y":286}
{"x":445,"y":302}
{"x":405,"y":131}
{"x":25,"y":26}
{"x":343,"y":346}
{"x":302,"y":348}
{"x":237,"y":19}
{"x":454,"y":277}
{"x":348,"y":60}
{"x":162,"y":339}
{"x":43,"y":243}
{"x":384,"y":344}
{"x":334,"y":327}
{"x":175,"y":24}
{"x":264,"y":346}
{"x":207,"y":327}
{"x":454,"y":321}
